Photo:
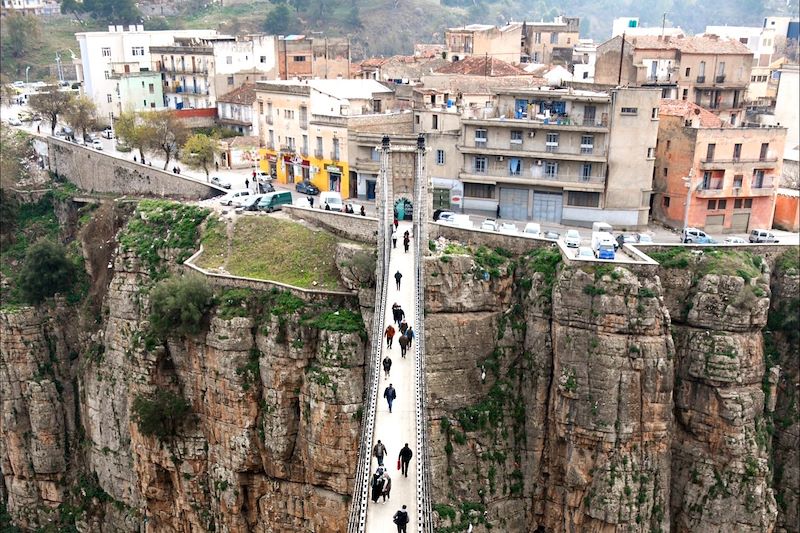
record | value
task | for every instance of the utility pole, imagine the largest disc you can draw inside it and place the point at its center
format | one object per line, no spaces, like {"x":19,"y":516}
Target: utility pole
{"x":663,"y":23}
{"x":689,"y":187}
{"x":621,"y":53}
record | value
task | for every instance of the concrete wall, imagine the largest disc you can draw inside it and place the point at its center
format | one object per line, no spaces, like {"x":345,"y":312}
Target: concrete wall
{"x":787,"y":212}
{"x":490,"y":239}
{"x":355,"y":227}
{"x":767,"y":251}
{"x":95,"y":171}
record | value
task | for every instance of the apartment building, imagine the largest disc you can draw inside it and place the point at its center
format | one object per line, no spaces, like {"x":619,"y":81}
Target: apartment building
{"x":584,"y":57}
{"x":733,"y":172}
{"x":631,"y":26}
{"x":709,"y":71}
{"x":30,"y":7}
{"x":196,"y":70}
{"x":303,"y":128}
{"x":235,"y":109}
{"x":301,"y":57}
{"x":562,"y":155}
{"x":116,"y":68}
{"x":550,"y":43}
{"x":484,"y":40}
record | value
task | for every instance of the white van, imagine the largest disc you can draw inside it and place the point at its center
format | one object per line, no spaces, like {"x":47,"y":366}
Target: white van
{"x":603,"y":227}
{"x":532,"y":229}
{"x":333,"y":199}
{"x":234,"y":197}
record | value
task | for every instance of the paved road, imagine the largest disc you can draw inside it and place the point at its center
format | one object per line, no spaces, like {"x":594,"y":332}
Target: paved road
{"x":398,"y":427}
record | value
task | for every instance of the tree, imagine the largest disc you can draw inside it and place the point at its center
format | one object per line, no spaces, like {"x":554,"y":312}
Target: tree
{"x":113,"y":11}
{"x":83,"y":114}
{"x":45,"y":271}
{"x":178,"y":305}
{"x":199,"y":151}
{"x":280,"y":21}
{"x":51,"y":103}
{"x":19,"y":34}
{"x":166,"y":133}
{"x":160,"y":413}
{"x":134,"y":131}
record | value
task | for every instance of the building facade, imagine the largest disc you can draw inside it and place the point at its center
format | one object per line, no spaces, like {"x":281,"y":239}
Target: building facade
{"x":301,"y":57}
{"x":30,"y":7}
{"x":709,"y":71}
{"x":485,"y":40}
{"x":562,"y":156}
{"x":303,"y":127}
{"x":235,"y":109}
{"x":110,"y":58}
{"x":550,"y":43}
{"x":197,"y":70}
{"x":734,"y":171}
{"x":584,"y":57}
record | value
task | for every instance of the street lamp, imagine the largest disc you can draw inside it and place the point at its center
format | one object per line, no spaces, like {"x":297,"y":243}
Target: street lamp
{"x":26,"y":74}
{"x":689,"y":188}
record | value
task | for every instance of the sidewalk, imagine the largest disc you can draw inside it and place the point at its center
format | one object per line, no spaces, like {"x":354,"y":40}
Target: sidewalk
{"x":398,"y":427}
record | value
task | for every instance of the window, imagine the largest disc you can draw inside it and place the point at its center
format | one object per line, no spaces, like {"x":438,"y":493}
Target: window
{"x":737,"y":204}
{"x":435,"y":122}
{"x":688,"y":72}
{"x":374,"y":154}
{"x":665,"y":203}
{"x":721,"y":68}
{"x":290,"y":143}
{"x":710,"y":151}
{"x":737,"y":181}
{"x":629,"y":110}
{"x":587,"y":144}
{"x":764,"y":151}
{"x":702,"y":73}
{"x":651,"y":153}
{"x":758,"y":179}
{"x":551,"y":169}
{"x":230,"y":80}
{"x":478,"y":190}
{"x":706,"y":179}
{"x":260,"y":107}
{"x":552,"y":142}
{"x":665,"y":172}
{"x":144,"y":103}
{"x":229,"y":60}
{"x":107,"y":74}
{"x":137,"y":50}
{"x":654,"y":113}
{"x":416,"y":119}
{"x":537,"y":38}
{"x":583,"y":199}
{"x":108,"y":97}
{"x":151,"y":88}
{"x":288,"y":113}
{"x":106,"y":52}
{"x":586,"y":75}
{"x":336,"y":154}
{"x":737,"y":151}
{"x":319,"y":148}
{"x":668,"y":143}
{"x":516,"y":136}
{"x":262,"y":59}
{"x":554,"y":38}
{"x":480,"y":164}
{"x":748,"y":203}
{"x":685,"y":94}
{"x":586,"y":171}
{"x":722,"y":204}
{"x":712,"y":205}
{"x":514,"y":166}
{"x":305,"y":144}
{"x":440,"y":157}
{"x":299,"y":59}
{"x":480,"y":136}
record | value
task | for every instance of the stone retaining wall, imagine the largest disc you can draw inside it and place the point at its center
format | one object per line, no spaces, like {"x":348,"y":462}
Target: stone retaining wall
{"x":353,"y":227}
{"x":94,"y":171}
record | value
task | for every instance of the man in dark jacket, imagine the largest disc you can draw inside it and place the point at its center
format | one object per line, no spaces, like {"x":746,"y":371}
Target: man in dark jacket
{"x":410,"y":334}
{"x":397,"y":277}
{"x":390,"y":394}
{"x":400,"y":316}
{"x":405,"y":458}
{"x":400,"y":518}
{"x":403,"y":345}
{"x":387,"y":365}
{"x":379,"y":450}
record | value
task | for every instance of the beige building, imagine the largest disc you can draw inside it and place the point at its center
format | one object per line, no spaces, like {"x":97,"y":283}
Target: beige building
{"x":563,"y":156}
{"x":550,"y":43}
{"x":484,"y":40}
{"x":709,"y":71}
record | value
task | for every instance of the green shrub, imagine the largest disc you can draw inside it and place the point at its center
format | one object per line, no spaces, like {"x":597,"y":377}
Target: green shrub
{"x":592,"y":290}
{"x":233,"y":303}
{"x":177,"y":305}
{"x":159,"y":414}
{"x":45,"y":271}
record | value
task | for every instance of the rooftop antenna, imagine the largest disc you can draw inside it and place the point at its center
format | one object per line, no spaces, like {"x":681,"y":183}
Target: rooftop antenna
{"x":663,"y":23}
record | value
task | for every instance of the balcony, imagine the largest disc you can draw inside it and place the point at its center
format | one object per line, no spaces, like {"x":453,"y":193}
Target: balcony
{"x":701,"y":79}
{"x":368,"y":165}
{"x":318,"y":154}
{"x":720,"y":79}
{"x":710,"y":164}
{"x":712,"y":188}
{"x":561,"y":178}
{"x":566,"y":122}
{"x":598,"y":154}
{"x":335,"y":155}
{"x":662,"y":78}
{"x":268,"y":119}
{"x":762,"y":186}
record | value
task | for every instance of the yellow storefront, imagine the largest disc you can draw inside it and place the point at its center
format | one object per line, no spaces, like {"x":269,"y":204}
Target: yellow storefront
{"x":291,"y":167}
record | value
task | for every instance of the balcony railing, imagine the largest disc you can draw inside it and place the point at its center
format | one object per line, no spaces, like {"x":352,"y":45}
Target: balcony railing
{"x":738,"y":160}
{"x":525,"y":176}
{"x":761,"y":183}
{"x":659,"y":79}
{"x":335,"y":155}
{"x":701,"y":79}
{"x":269,"y":119}
{"x":318,"y":154}
{"x":270,"y":146}
{"x":720,"y":78}
{"x":513,"y":120}
{"x":303,"y":124}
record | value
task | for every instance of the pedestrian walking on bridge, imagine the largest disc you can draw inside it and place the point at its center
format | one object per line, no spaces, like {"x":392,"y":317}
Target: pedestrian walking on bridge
{"x":377,"y":484}
{"x":387,"y":366}
{"x":389,"y":335}
{"x":403,"y":341}
{"x":405,"y":458}
{"x":379,"y":450}
{"x":390,"y":394}
{"x":398,"y":276}
{"x":410,"y":334}
{"x":401,"y":520}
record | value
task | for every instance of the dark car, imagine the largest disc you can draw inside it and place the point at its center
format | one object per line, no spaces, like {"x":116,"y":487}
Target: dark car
{"x":306,"y":187}
{"x":265,"y":187}
{"x":551,"y":235}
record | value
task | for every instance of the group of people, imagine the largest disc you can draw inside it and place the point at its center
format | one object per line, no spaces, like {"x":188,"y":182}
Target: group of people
{"x":406,"y":239}
{"x":348,"y":208}
{"x":382,"y":483}
{"x":406,"y":334}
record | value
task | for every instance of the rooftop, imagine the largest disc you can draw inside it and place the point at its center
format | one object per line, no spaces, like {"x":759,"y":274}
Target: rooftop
{"x":487,"y":27}
{"x":690,"y":45}
{"x":688,"y":110}
{"x":341,"y":89}
{"x":481,"y":66}
{"x":244,"y":95}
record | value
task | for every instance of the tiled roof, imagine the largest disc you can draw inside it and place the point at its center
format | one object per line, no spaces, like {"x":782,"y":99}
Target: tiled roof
{"x":246,"y":141}
{"x":690,"y":45}
{"x":688,"y":110}
{"x":244,"y":95}
{"x":481,"y":66}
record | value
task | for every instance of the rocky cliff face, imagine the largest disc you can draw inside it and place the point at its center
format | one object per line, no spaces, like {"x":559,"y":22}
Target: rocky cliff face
{"x":612,"y":399}
{"x":274,"y":387}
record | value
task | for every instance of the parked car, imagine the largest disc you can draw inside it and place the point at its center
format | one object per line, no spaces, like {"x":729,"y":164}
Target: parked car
{"x":441,"y":215}
{"x":232,"y":196}
{"x":705,"y":240}
{"x":762,"y":236}
{"x":250,"y":203}
{"x":306,"y":187}
{"x":14,"y":121}
{"x":265,"y":187}
{"x":263,"y":175}
{"x":108,"y":133}
{"x":690,"y":235}
{"x":532,"y":229}
{"x":274,"y":200}
{"x":644,"y":238}
{"x":734,"y":240}
{"x":584,"y":252}
{"x":551,"y":235}
{"x":489,"y":225}
{"x":460,"y":221}
{"x":331,"y":199}
{"x":219,"y":181}
{"x":572,"y":238}
{"x":603,"y":245}
{"x":97,"y":145}
{"x":302,"y":202}
{"x":508,"y":228}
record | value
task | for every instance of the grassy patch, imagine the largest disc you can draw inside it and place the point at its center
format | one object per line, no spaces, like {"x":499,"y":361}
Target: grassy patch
{"x":215,"y":244}
{"x":788,"y":261}
{"x":279,"y":250}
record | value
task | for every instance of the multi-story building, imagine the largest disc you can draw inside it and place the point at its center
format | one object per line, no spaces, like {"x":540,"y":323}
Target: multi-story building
{"x":630,"y":26}
{"x":114,"y":62}
{"x":709,"y":71}
{"x":303,"y":128}
{"x":732,"y":174}
{"x":564,"y":156}
{"x":484,"y":40}
{"x":301,"y":57}
{"x":550,"y":43}
{"x":197,"y":70}
{"x":584,"y":57}
{"x":235,"y":109}
{"x":30,"y":7}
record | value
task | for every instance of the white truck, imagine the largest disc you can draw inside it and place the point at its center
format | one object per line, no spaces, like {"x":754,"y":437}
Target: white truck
{"x":603,"y":245}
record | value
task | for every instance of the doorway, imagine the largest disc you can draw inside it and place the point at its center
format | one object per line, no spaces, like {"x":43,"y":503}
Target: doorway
{"x":403,"y":209}
{"x":370,"y":189}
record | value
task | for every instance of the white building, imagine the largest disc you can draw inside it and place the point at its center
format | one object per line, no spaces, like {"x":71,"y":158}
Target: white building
{"x":631,"y":28}
{"x":584,"y":57}
{"x":31,"y":7}
{"x":108,"y":56}
{"x":786,"y":109}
